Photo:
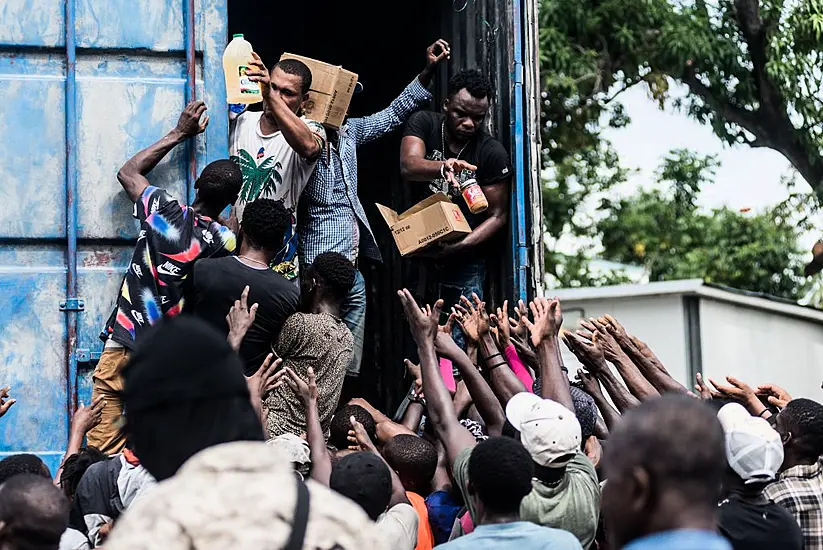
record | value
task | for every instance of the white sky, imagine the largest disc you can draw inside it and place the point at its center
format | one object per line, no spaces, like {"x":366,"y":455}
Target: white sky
{"x":746,"y":178}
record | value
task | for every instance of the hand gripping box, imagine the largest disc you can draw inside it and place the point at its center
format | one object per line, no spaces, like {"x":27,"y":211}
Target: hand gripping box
{"x":331,"y":91}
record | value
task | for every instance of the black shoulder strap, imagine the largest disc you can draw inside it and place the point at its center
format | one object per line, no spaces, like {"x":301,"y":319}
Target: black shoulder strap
{"x":301,"y":518}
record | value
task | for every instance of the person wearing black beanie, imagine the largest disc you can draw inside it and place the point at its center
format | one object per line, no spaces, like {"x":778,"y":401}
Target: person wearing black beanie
{"x":184,"y":392}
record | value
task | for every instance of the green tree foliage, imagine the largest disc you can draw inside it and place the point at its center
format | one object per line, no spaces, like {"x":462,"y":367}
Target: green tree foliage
{"x":664,"y":230}
{"x":753,"y":70}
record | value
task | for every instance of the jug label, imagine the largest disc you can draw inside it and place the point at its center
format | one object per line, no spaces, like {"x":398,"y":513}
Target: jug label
{"x":246,"y":85}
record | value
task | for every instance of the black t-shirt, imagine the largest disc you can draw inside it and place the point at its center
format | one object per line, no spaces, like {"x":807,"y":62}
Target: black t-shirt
{"x":753,"y":526}
{"x":219,"y":282}
{"x":483,"y":151}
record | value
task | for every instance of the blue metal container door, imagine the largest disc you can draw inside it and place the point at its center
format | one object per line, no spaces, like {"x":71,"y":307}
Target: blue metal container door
{"x":85,"y":84}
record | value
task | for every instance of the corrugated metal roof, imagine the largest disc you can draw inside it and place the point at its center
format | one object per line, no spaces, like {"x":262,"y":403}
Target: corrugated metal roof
{"x":694,"y":287}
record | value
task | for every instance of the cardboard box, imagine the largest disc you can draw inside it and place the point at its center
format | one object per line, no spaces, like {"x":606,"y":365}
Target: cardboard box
{"x":331,"y":91}
{"x":433,"y":219}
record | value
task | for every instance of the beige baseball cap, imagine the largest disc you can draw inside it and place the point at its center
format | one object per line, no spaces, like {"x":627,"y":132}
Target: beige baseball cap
{"x":548,"y":430}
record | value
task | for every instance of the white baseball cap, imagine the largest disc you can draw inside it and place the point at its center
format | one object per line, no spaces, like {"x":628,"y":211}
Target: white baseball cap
{"x":753,"y":448}
{"x":548,"y":430}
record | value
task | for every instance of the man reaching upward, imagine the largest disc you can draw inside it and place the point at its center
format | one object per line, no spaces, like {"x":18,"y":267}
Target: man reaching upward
{"x":172,"y":237}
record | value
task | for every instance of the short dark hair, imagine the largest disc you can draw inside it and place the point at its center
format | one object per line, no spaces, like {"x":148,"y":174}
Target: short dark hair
{"x":341,"y":425}
{"x":500,"y":474}
{"x":219,"y":183}
{"x":297,"y":68}
{"x":75,"y":466}
{"x":413,"y":458}
{"x":805,"y":417}
{"x":23,"y":463}
{"x":336,"y":272}
{"x":364,"y":478}
{"x":265,"y":222}
{"x":474,"y":82}
{"x":35,"y":512}
{"x":678,"y":440}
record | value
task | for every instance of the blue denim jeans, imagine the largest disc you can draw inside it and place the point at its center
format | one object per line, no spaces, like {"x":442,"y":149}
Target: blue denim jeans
{"x":354,"y":315}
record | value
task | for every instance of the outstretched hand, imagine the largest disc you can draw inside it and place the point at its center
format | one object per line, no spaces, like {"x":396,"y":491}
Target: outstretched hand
{"x":775,"y":395}
{"x":590,"y":354}
{"x":423,"y":326}
{"x":5,"y":402}
{"x":548,"y":319}
{"x":305,"y":390}
{"x":189,"y":123}
{"x":87,"y":417}
{"x":359,"y":439}
{"x":740,"y":392}
{"x":240,"y":319}
{"x":266,"y":377}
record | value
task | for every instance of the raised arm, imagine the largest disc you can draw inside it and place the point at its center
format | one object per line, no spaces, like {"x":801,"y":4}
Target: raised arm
{"x":636,"y":379}
{"x":641,"y":355}
{"x":366,"y":129}
{"x":474,"y":321}
{"x":482,"y":395}
{"x":358,"y":436}
{"x":591,"y":385}
{"x":307,"y":391}
{"x":545,"y":330}
{"x":132,"y":176}
{"x":84,"y":419}
{"x":591,"y":356}
{"x":440,"y":410}
{"x":296,"y":133}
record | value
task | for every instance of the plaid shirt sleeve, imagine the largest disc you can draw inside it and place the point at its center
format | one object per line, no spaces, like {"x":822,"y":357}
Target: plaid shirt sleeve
{"x":366,"y":129}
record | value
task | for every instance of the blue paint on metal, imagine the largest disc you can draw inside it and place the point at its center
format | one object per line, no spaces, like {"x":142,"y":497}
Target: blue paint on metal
{"x":519,"y":133}
{"x":191,"y":147}
{"x":65,"y":224}
{"x":71,"y":209}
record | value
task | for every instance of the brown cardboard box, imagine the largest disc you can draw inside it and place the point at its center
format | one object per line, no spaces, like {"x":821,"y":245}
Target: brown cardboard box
{"x":433,"y":219}
{"x":331,"y":91}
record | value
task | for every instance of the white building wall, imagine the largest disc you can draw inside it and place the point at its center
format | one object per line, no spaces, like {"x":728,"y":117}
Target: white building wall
{"x":760,"y":346}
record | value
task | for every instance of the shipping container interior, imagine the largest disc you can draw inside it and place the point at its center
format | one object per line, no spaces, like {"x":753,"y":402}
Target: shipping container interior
{"x":384,"y":43}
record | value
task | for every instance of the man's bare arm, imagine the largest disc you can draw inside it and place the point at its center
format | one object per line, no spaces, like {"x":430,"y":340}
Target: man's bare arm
{"x":132,"y":176}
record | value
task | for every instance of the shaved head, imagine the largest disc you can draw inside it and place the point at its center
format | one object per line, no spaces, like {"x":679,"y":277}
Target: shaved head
{"x":664,"y":464}
{"x":34,"y":513}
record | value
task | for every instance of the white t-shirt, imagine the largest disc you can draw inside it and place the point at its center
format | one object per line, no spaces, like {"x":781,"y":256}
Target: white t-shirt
{"x":271,"y":168}
{"x":398,"y":526}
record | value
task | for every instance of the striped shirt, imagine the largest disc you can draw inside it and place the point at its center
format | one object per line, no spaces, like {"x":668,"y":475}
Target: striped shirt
{"x":331,"y":217}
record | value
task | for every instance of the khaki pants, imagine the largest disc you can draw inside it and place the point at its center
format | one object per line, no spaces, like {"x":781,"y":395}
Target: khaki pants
{"x":108,"y":382}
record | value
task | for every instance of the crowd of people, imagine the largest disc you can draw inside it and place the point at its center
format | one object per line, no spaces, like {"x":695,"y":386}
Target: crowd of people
{"x":217,"y":418}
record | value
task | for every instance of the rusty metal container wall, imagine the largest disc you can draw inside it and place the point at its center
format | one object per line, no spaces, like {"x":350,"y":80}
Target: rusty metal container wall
{"x":85,"y":84}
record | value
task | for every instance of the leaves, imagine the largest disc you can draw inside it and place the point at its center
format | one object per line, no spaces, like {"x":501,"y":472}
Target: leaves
{"x":262,"y":180}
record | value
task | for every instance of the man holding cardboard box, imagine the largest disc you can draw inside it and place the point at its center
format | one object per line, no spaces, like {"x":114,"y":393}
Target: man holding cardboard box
{"x":332,"y":218}
{"x":439,"y":153}
{"x":277,"y":149}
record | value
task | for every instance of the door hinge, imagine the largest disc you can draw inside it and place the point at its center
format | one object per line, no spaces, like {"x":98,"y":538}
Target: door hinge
{"x":82,"y":355}
{"x":73,"y":304}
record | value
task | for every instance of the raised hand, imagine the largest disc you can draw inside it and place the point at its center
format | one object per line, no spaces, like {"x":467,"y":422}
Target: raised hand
{"x":86,"y":418}
{"x":436,"y":53}
{"x":774,"y":394}
{"x":504,"y":328}
{"x":5,"y":401}
{"x":258,"y":72}
{"x":240,"y":319}
{"x":703,"y":388}
{"x":547,"y":320}
{"x":423,"y":327}
{"x":189,"y":123}
{"x":266,"y":377}
{"x":590,"y":354}
{"x":589,"y":382}
{"x":306,"y":391}
{"x":359,"y":439}
{"x":740,"y":392}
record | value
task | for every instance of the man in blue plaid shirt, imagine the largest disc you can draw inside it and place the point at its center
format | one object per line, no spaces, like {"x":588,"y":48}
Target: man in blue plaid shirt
{"x":332,"y":218}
